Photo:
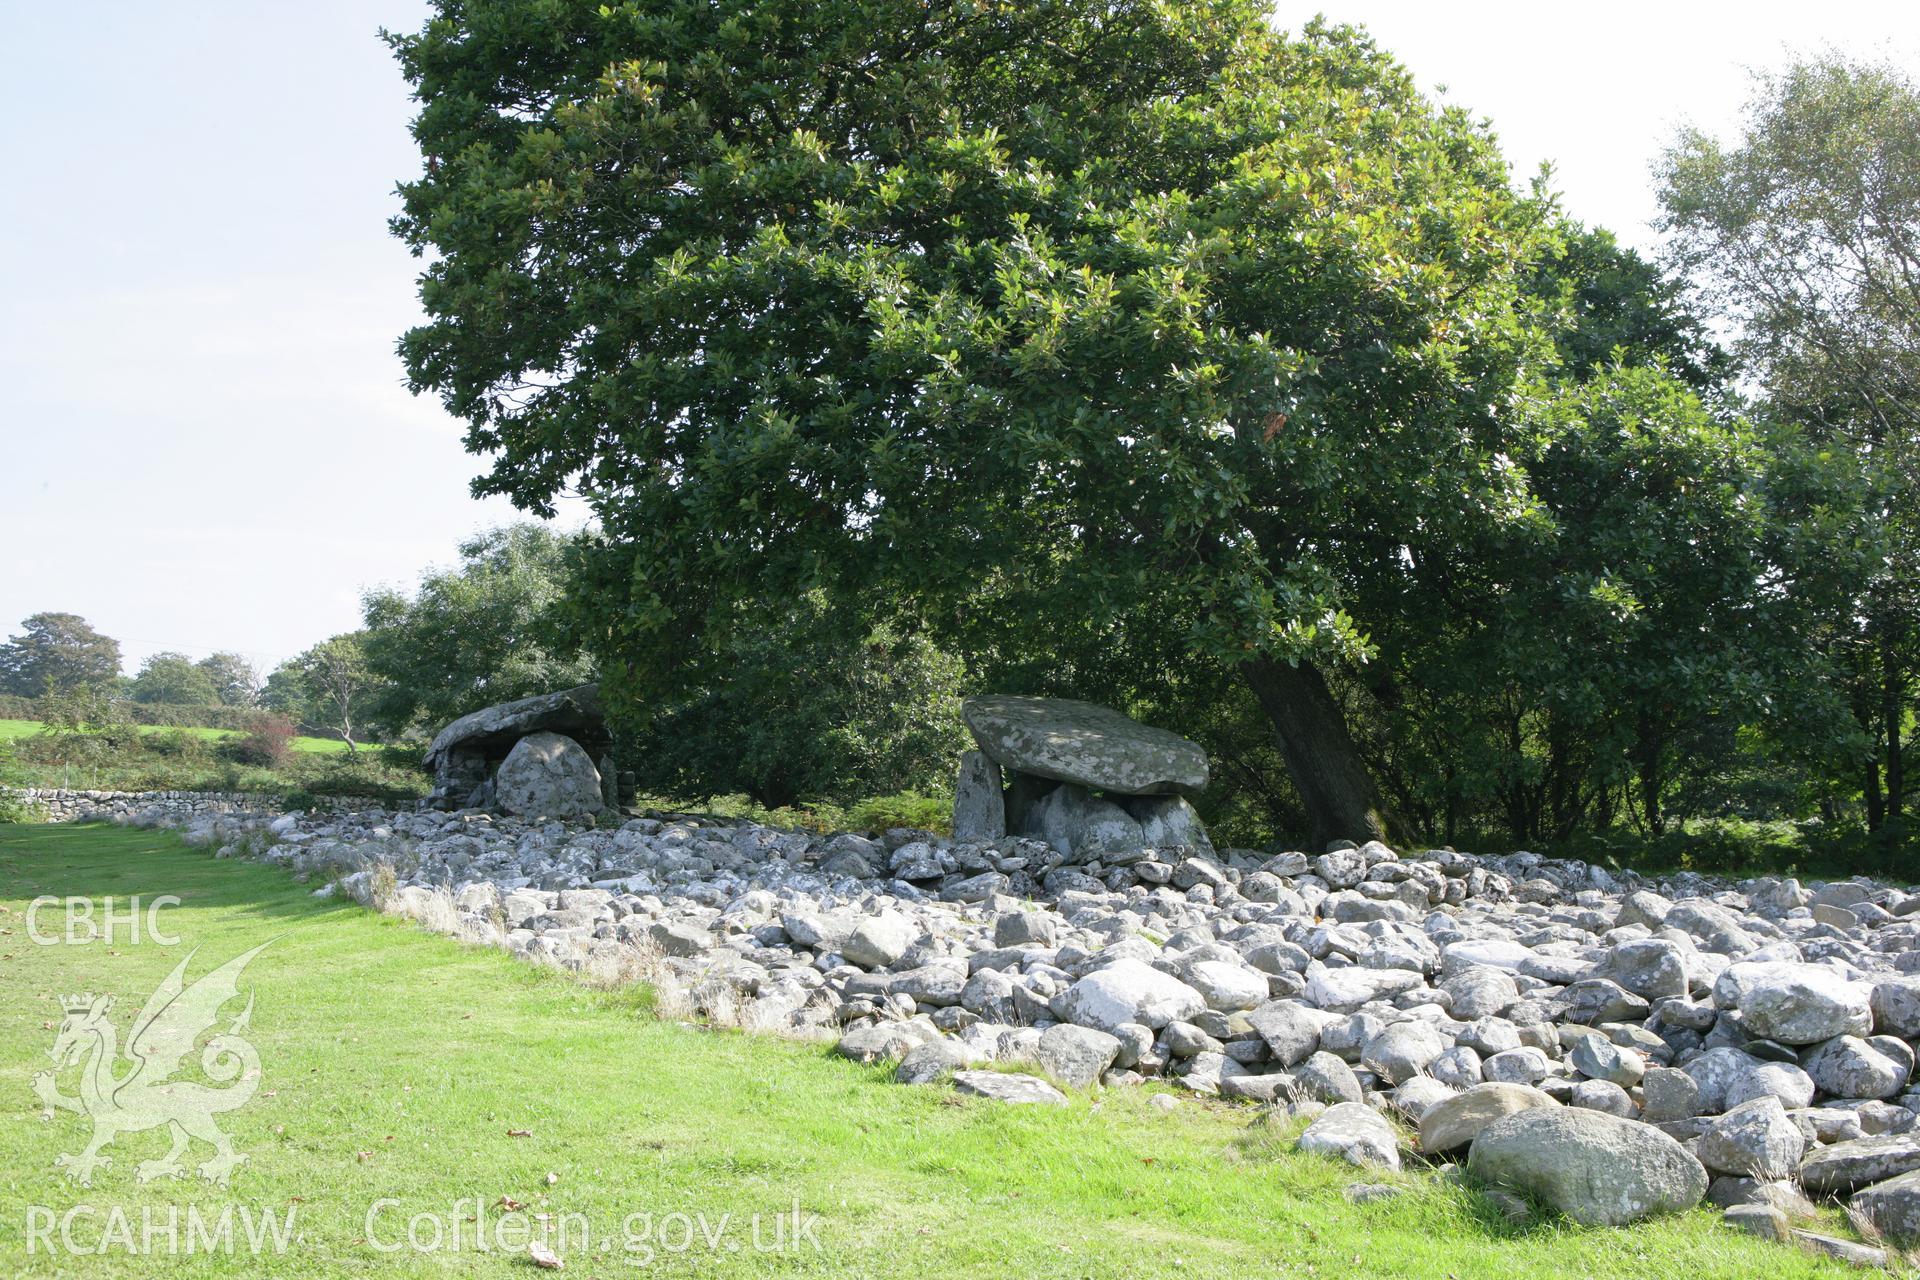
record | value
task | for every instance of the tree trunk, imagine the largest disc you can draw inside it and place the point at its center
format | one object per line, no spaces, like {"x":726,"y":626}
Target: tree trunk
{"x":1325,"y":766}
{"x":1650,"y":794}
{"x":1892,"y":712}
{"x":1871,"y":790}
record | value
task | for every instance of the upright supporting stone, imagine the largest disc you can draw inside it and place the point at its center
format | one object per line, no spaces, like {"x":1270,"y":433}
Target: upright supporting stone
{"x":979,"y":809}
{"x":1023,"y":792}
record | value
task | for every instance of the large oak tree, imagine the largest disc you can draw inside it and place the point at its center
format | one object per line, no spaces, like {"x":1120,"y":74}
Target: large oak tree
{"x":1126,"y":327}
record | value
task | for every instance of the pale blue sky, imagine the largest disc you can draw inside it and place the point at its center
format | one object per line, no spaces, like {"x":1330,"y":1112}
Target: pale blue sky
{"x":205,"y":442}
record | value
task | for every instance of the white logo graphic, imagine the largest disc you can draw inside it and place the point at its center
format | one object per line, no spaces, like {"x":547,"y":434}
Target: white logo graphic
{"x":142,"y":1097}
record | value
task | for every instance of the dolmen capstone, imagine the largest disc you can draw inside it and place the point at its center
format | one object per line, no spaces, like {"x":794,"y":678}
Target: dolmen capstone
{"x":535,"y":757}
{"x":1083,"y":778}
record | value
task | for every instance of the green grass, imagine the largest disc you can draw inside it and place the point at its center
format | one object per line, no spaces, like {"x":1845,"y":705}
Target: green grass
{"x":12,"y":729}
{"x":395,"y":1062}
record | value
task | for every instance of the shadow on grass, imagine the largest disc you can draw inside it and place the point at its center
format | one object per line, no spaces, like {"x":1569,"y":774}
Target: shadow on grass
{"x":63,"y":861}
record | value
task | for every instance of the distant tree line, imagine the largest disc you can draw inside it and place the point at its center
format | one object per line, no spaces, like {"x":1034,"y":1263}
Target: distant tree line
{"x":57,"y":653}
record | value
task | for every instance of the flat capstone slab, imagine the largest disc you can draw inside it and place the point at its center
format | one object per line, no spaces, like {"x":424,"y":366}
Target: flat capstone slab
{"x":1095,"y":746}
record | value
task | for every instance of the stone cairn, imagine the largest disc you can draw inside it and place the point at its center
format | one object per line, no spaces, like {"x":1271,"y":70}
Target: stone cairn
{"x":1610,"y":1045}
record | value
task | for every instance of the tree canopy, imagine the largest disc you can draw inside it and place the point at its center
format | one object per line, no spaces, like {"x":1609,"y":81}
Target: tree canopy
{"x":480,"y":633}
{"x":1145,"y":352}
{"x":1049,"y":319}
{"x":173,"y":677}
{"x":327,"y":687}
{"x":1805,"y":233}
{"x":236,"y":681}
{"x":56,"y":653}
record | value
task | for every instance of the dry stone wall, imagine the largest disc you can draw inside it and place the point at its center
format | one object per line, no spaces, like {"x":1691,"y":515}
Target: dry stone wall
{"x":174,"y":807}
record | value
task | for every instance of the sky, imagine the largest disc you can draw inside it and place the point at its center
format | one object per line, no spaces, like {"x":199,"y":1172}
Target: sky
{"x":206,"y":441}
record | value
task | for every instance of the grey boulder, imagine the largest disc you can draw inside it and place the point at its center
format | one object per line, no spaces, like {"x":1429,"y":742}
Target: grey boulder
{"x":926,"y":1063}
{"x":1849,"y":1067}
{"x":1859,"y":1162}
{"x":1354,"y":1132}
{"x":1291,"y":1030}
{"x":1128,"y":991}
{"x":1599,"y":1059}
{"x":1402,"y":1051}
{"x":1328,"y":1079}
{"x":548,"y":775}
{"x":1896,"y":1005}
{"x":1596,"y":1168}
{"x":1076,"y":1056}
{"x":1893,"y":1207}
{"x":1756,"y":1139}
{"x":880,"y":940}
{"x":1456,"y":1121}
{"x":1001,"y":1086}
{"x":1794,"y":1003}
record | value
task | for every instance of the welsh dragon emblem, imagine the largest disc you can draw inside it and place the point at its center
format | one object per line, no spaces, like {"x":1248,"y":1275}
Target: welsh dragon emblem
{"x":130,"y":1093}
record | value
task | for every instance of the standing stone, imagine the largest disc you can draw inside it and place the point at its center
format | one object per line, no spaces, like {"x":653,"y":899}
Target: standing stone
{"x":979,"y":805}
{"x":1168,"y":822}
{"x":548,"y":775}
{"x":1084,"y":825}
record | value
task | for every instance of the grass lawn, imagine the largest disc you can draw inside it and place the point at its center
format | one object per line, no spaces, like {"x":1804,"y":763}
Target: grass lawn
{"x":395,"y":1063}
{"x":11,"y":729}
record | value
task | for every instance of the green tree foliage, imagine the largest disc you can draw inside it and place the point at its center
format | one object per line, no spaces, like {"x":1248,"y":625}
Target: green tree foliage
{"x":1637,"y":622}
{"x":236,"y":681}
{"x":83,"y":727}
{"x":1046,"y":321}
{"x":56,"y":653}
{"x":481,"y":633}
{"x":1615,"y":305}
{"x":1805,"y":233}
{"x":329,"y":687}
{"x":795,"y":708}
{"x":175,"y":678}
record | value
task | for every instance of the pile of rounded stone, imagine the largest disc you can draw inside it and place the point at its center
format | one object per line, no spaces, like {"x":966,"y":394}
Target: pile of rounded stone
{"x":1609,"y":1045}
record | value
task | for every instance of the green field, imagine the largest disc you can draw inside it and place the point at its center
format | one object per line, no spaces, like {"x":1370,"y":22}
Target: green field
{"x":395,"y":1064}
{"x":11,"y":729}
